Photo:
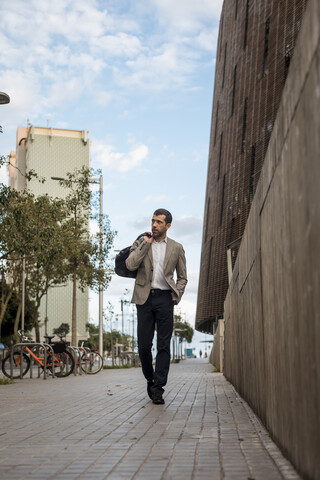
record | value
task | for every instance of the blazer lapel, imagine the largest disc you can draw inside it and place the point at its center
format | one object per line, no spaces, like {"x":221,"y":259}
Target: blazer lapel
{"x":168,"y":253}
{"x":150,"y":255}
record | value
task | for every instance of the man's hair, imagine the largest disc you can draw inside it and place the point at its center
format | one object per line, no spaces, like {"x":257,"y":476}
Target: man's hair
{"x":163,"y":211}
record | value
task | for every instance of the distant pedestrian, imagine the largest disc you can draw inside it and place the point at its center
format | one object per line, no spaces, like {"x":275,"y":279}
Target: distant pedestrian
{"x":200,"y":353}
{"x":157,"y":258}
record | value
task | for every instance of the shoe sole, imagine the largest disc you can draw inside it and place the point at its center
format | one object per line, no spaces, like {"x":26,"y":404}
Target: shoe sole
{"x":158,"y":402}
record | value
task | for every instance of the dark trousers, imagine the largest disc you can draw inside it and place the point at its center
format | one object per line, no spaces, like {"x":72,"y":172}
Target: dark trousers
{"x":157,"y":311}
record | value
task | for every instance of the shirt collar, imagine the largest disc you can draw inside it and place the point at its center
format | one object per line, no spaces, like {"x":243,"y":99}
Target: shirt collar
{"x":165,"y":240}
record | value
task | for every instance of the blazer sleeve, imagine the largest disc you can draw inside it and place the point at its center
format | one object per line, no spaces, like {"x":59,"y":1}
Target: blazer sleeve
{"x":181,"y":269}
{"x":138,"y":251}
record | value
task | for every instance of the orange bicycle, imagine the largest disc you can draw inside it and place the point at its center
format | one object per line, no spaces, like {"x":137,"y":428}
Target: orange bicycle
{"x":61,"y":361}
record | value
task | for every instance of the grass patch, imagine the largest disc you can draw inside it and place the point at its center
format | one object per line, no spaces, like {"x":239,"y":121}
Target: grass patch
{"x":5,"y":381}
{"x":110,"y":367}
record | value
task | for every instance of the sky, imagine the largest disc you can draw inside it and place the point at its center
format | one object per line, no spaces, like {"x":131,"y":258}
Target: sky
{"x":139,"y":76}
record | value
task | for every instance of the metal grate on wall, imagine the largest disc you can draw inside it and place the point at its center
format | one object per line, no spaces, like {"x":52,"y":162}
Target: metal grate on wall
{"x":255,"y":47}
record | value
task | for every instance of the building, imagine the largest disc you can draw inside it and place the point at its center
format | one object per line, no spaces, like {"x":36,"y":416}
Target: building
{"x":255,"y":47}
{"x":268,"y":341}
{"x":52,"y":152}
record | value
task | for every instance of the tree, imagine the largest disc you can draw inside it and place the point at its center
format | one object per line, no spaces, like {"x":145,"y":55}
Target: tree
{"x":31,"y":228}
{"x":109,"y":338}
{"x":86,"y":254}
{"x":46,"y":266}
{"x":62,"y":330}
{"x":16,"y":237}
{"x":52,"y":235}
{"x":183,"y":329}
{"x":10,"y":324}
{"x":19,"y":238}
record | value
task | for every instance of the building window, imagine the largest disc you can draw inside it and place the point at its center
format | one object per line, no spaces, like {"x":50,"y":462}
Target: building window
{"x":287,"y":60}
{"x":207,"y":219}
{"x":234,"y":89}
{"x":244,"y":125}
{"x":220,"y":154}
{"x":246,"y":26}
{"x":224,"y":64}
{"x":216,"y":126}
{"x":221,"y":38}
{"x":233,"y":221}
{"x":252,"y":173}
{"x":222,"y":198}
{"x":266,"y":48}
{"x":209,"y":262}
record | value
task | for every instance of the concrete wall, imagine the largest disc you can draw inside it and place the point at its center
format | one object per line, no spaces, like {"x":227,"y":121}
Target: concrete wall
{"x":217,"y":352}
{"x":272,"y":309}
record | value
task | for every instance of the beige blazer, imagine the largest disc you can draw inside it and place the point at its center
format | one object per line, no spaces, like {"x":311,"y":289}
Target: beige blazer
{"x":140,"y":259}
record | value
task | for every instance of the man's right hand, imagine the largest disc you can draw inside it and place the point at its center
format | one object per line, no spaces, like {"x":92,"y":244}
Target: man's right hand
{"x":148,"y":239}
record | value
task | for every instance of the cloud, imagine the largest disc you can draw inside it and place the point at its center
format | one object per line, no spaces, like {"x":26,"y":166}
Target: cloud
{"x":121,"y":44}
{"x":158,"y":68}
{"x":187,"y":16}
{"x":105,"y":156}
{"x":141,"y":223}
{"x":158,"y":199}
{"x":93,"y":49}
{"x":188,"y":225}
{"x":193,"y":281}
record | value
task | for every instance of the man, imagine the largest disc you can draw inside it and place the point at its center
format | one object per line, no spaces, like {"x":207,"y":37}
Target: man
{"x":157,"y":258}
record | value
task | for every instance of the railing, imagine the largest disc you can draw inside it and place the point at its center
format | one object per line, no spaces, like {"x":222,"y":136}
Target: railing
{"x":130,"y":358}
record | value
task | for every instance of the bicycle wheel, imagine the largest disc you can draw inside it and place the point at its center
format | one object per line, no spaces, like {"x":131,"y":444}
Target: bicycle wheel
{"x":91,"y":362}
{"x":16,"y":367}
{"x":63,"y":364}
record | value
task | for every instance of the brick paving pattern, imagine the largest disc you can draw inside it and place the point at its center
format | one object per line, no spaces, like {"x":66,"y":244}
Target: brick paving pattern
{"x":105,"y":427}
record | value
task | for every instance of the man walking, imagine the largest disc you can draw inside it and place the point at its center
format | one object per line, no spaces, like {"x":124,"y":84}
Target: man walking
{"x":156,"y":258}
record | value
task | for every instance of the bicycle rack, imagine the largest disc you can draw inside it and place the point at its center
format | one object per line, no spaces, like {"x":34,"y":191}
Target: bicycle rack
{"x":44,"y":346}
{"x":82,"y":350}
{"x":76,"y":353}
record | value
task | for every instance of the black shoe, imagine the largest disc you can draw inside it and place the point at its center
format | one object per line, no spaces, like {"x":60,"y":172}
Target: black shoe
{"x":149,"y":386}
{"x":157,"y":399}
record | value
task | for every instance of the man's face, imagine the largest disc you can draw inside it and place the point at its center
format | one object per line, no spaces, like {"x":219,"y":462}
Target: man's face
{"x":159,"y":226}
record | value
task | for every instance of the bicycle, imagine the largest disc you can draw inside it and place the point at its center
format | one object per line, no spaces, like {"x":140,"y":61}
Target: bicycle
{"x":91,"y":362}
{"x":62,"y":362}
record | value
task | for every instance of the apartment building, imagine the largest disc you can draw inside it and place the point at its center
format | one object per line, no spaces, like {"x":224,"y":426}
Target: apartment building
{"x":52,"y":152}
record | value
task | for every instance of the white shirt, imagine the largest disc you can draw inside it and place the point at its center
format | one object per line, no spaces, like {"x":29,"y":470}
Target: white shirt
{"x":158,"y":254}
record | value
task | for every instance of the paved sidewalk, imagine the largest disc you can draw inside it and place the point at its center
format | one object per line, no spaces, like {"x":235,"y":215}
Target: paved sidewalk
{"x":105,"y":427}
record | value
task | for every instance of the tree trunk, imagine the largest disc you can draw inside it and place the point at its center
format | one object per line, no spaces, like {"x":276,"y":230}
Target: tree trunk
{"x":74,"y":312}
{"x":36,"y":320}
{"x":4,"y":303}
{"x":37,"y":329}
{"x":16,"y":323}
{"x":112,"y":351}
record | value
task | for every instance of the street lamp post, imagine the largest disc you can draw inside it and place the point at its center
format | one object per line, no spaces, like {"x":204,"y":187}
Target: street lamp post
{"x":101,"y":264}
{"x":122,"y":317}
{"x":100,"y":182}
